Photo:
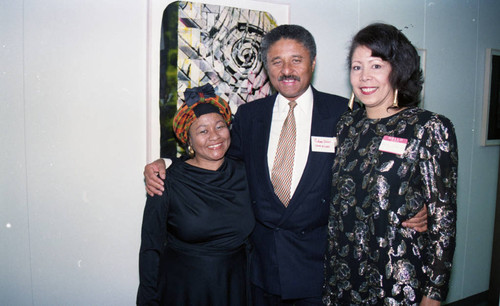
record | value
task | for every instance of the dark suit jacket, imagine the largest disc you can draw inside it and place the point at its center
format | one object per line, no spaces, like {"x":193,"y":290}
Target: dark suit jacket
{"x":289,"y":243}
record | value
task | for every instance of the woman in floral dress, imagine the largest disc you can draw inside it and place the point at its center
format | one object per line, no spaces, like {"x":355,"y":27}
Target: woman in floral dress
{"x":393,"y":158}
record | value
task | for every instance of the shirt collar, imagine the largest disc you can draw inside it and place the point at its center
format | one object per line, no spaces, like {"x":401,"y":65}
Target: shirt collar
{"x":304,"y":101}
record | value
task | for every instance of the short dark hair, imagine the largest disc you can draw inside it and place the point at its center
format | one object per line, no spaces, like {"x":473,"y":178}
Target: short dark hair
{"x":391,"y":45}
{"x":287,"y":31}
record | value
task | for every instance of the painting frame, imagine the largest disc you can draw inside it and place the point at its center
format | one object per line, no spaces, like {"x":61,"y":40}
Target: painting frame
{"x":422,"y":53}
{"x":491,"y":99}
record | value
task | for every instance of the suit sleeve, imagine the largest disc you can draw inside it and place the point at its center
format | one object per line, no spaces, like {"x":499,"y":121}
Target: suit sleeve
{"x":235,"y":150}
{"x":153,"y":238}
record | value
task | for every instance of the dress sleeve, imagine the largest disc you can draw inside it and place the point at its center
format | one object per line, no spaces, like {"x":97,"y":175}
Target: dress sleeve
{"x":438,"y":166}
{"x":153,"y":239}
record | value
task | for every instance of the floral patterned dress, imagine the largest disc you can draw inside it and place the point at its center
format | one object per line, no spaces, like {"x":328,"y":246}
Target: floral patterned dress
{"x":371,"y":258}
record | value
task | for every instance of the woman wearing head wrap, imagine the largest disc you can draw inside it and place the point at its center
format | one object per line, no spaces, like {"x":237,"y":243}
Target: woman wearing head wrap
{"x":393,"y":158}
{"x":194,"y":236}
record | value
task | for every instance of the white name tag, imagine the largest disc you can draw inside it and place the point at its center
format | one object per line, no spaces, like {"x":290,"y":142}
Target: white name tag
{"x":323,"y":144}
{"x":393,"y":145}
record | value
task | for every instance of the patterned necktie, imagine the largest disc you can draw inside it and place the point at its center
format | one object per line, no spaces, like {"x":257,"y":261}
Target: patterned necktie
{"x":281,"y":175}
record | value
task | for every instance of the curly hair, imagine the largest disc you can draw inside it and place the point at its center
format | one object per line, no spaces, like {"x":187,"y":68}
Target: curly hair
{"x":287,"y":31}
{"x":391,"y":45}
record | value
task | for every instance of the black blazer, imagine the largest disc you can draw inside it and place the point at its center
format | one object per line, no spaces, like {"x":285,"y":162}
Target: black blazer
{"x":289,"y":243}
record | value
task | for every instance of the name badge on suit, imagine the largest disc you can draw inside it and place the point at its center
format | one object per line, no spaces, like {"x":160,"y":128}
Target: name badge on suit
{"x":323,"y":144}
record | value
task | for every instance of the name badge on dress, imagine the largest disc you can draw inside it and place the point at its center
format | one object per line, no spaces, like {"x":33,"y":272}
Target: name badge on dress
{"x":323,"y":144}
{"x":393,"y":145}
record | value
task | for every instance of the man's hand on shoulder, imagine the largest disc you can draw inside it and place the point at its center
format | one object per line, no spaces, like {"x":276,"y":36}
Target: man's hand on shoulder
{"x":419,"y":221}
{"x":154,"y":174}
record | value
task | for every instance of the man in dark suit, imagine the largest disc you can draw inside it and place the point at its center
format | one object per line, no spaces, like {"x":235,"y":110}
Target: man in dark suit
{"x":290,"y":234}
{"x":289,"y":240}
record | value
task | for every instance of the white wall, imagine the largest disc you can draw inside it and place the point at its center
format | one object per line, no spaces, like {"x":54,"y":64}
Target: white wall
{"x":73,"y":89}
{"x":72,"y":94}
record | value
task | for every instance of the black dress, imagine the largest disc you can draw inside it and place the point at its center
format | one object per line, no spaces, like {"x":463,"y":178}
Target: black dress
{"x":371,"y":258}
{"x":194,"y":238}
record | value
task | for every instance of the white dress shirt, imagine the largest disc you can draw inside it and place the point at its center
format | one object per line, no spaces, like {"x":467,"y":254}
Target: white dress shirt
{"x":303,"y":121}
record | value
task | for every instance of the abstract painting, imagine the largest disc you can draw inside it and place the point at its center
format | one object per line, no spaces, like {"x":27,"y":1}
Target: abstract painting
{"x":204,"y":43}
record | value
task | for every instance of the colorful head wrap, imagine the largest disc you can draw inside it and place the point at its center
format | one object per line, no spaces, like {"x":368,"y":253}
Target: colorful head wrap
{"x":198,"y":101}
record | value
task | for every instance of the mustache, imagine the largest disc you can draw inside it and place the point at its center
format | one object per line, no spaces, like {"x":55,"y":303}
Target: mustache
{"x":289,"y":77}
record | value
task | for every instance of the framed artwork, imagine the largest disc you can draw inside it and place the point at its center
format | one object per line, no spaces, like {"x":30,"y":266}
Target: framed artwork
{"x":491,"y":99}
{"x":192,"y":44}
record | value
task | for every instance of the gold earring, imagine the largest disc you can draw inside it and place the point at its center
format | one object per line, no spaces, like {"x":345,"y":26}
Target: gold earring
{"x":395,"y":102}
{"x":190,"y":151}
{"x":351,"y":101}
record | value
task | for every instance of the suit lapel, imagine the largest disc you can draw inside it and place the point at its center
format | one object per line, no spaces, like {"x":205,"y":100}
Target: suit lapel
{"x":316,"y":161}
{"x":262,"y":125}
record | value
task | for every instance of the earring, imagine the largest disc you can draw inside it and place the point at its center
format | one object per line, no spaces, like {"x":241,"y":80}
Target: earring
{"x":395,"y":102}
{"x":351,"y":101}
{"x":190,"y":151}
